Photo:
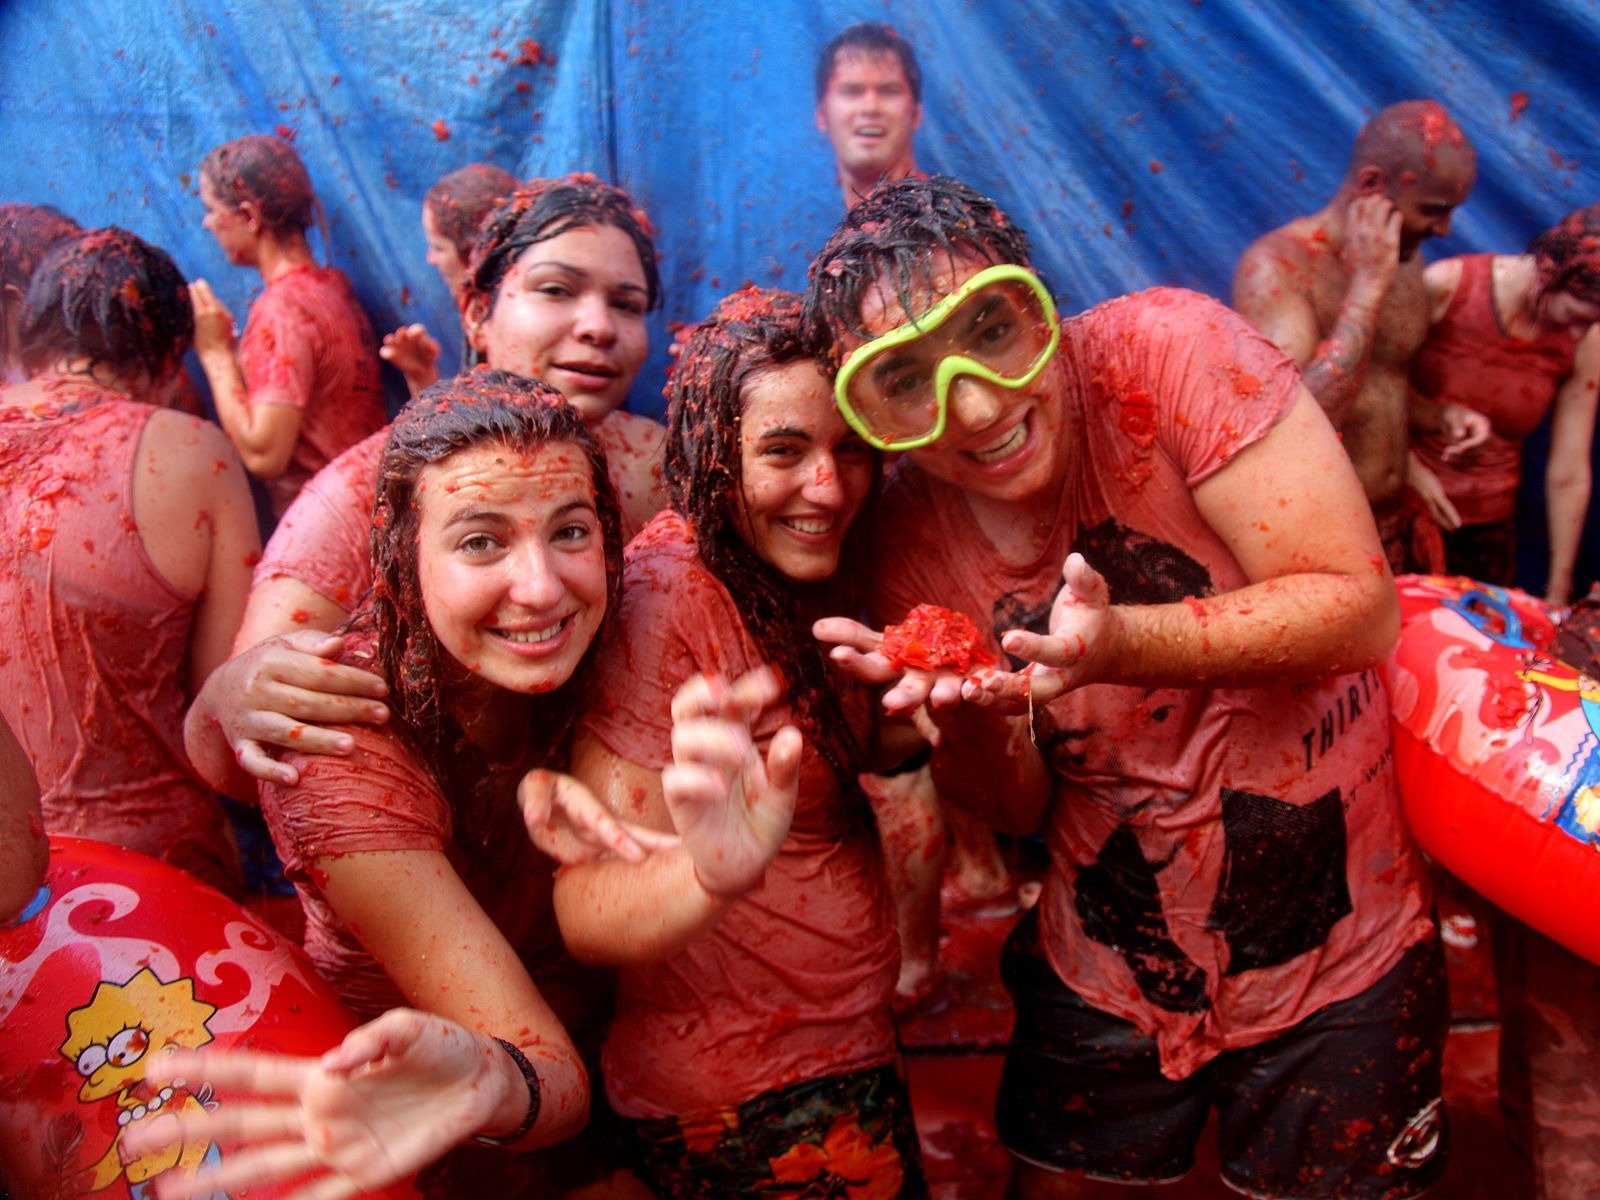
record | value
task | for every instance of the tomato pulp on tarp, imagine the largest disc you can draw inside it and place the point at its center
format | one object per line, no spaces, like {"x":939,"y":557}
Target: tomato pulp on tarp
{"x":932,"y":637}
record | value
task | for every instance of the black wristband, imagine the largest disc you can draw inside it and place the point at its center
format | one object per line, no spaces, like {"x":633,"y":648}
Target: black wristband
{"x":534,"y":1099}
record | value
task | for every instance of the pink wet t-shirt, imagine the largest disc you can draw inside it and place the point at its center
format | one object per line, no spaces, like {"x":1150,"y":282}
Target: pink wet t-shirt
{"x":794,"y":982}
{"x":1469,"y":359}
{"x":1224,"y":861}
{"x":92,"y":674}
{"x":381,"y":798}
{"x":309,"y":345}
{"x":324,"y":540}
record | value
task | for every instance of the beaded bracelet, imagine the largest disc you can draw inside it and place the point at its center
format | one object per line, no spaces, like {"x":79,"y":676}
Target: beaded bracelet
{"x":534,"y":1099}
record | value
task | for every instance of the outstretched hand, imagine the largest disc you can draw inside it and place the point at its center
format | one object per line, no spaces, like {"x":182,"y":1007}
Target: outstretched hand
{"x":569,"y":823}
{"x":281,"y":691}
{"x":857,"y":651}
{"x":388,"y":1100}
{"x":731,"y":808}
{"x":1072,"y":654}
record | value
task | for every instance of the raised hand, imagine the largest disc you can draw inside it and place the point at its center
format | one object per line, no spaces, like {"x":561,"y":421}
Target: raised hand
{"x":569,"y":823}
{"x":388,"y":1100}
{"x":414,"y":354}
{"x":731,"y":808}
{"x":1371,"y":249}
{"x":213,"y":323}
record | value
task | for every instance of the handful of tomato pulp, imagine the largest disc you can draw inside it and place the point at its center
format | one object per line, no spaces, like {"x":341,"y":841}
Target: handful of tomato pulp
{"x":932,"y":637}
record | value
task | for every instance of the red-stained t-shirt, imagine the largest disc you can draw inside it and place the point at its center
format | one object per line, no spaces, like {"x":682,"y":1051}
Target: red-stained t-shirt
{"x":380,"y":798}
{"x":308,"y":344}
{"x":1224,"y":861}
{"x":324,"y":540}
{"x":794,"y":982}
{"x":1469,"y":359}
{"x":92,"y":670}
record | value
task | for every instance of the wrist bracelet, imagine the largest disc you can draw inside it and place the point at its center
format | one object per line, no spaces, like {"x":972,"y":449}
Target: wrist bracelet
{"x":534,"y":1099}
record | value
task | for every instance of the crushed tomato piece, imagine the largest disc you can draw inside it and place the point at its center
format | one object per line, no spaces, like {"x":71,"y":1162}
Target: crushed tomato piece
{"x":932,"y":637}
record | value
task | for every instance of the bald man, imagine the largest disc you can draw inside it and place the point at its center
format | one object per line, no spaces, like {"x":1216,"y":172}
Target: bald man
{"x":1341,"y":292}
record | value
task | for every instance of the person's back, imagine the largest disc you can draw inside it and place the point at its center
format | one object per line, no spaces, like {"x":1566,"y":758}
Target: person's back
{"x":129,"y":534}
{"x":333,"y":366}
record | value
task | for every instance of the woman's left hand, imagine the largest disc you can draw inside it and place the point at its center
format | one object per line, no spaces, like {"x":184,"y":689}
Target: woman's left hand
{"x":569,"y":823}
{"x":391,"y":1098}
{"x":731,"y":807}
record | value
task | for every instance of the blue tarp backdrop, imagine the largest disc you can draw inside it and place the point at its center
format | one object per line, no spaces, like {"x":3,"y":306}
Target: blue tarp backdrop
{"x":1139,"y":142}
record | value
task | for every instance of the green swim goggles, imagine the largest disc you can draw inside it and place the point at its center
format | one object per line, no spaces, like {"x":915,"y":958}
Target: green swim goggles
{"x":1000,"y":326}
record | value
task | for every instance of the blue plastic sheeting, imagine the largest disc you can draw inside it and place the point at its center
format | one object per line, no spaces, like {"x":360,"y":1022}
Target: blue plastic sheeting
{"x":1139,"y":143}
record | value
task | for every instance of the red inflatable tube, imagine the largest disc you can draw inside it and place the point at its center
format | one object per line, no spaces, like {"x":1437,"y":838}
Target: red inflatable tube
{"x":1497,"y":749}
{"x":118,"y":957}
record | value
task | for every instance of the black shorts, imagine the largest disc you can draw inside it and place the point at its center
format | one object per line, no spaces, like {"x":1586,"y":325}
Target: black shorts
{"x":1347,"y":1103}
{"x":841,"y":1135}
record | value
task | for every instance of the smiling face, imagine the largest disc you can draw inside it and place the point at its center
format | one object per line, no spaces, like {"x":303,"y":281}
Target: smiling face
{"x":511,"y":562}
{"x":570,"y":312}
{"x":443,"y":256}
{"x":805,"y":472}
{"x":1003,"y":444}
{"x":869,"y":115}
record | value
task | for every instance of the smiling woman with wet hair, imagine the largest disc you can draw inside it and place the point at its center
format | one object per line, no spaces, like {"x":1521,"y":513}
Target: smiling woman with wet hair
{"x":758,"y":958}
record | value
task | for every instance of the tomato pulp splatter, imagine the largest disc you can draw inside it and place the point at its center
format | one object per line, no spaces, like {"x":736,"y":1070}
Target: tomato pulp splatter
{"x":932,"y":637}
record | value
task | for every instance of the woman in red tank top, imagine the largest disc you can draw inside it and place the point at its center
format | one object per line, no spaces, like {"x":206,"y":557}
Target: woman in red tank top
{"x":1513,"y":337}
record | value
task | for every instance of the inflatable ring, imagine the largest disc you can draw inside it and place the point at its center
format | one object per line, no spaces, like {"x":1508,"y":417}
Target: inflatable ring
{"x":1497,"y":752}
{"x":117,"y":957}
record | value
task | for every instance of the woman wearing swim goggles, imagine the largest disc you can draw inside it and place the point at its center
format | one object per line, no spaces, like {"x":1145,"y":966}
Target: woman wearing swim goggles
{"x":1000,"y":326}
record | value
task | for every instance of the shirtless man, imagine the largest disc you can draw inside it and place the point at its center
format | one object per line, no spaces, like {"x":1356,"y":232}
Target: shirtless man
{"x":869,"y":104}
{"x":1341,"y":292}
{"x":1234,"y":915}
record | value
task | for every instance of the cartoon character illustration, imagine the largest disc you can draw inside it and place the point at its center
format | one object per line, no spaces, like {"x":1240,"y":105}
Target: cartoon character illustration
{"x":1490,"y":611}
{"x":109,"y":1040}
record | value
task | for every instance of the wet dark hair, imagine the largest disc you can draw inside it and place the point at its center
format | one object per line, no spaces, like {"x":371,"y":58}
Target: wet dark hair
{"x":905,"y":231}
{"x":1571,"y":248}
{"x":458,"y":202}
{"x":265,"y":170}
{"x":869,"y":37}
{"x":111,"y":297}
{"x":547,"y":208}
{"x":27,"y":233}
{"x":750,"y":332}
{"x":479,"y":407}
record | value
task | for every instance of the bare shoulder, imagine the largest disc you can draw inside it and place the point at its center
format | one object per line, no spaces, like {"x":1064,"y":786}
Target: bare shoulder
{"x":629,"y":433}
{"x":187,"y":451}
{"x":1441,"y":280}
{"x":1284,"y":259}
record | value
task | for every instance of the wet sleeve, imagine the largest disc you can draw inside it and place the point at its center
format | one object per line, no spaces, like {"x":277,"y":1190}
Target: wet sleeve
{"x":377,"y":798}
{"x":278,"y":353}
{"x":1214,"y":383}
{"x":324,"y":538}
